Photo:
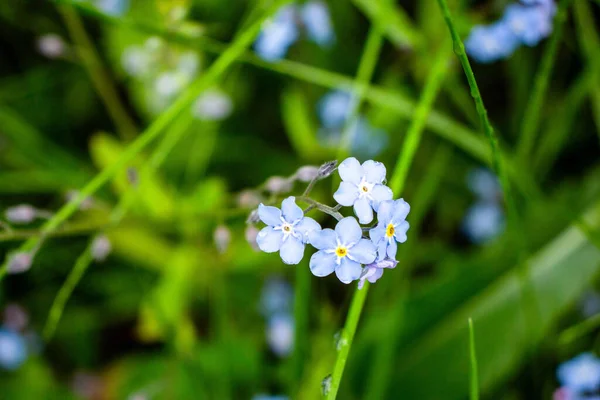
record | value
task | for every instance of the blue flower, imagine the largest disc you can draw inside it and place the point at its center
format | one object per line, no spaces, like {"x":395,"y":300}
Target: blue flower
{"x":269,"y":397}
{"x":483,"y":221}
{"x":113,"y":7}
{"x":581,"y":374}
{"x":391,"y":228}
{"x":287,"y":230}
{"x":276,"y":297}
{"x":484,"y":184}
{"x":278,"y":34}
{"x":280,"y":334}
{"x":342,"y":250}
{"x":362,"y":187}
{"x":374,"y":271}
{"x":490,"y":43}
{"x":13,"y":349}
{"x":528,"y":24}
{"x":334,"y":108}
{"x":317,"y":22}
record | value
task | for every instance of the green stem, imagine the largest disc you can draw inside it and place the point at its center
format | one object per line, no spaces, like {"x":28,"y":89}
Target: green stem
{"x":321,"y":207}
{"x":346,"y":338}
{"x":98,"y":74}
{"x":182,"y":103}
{"x":474,"y":375}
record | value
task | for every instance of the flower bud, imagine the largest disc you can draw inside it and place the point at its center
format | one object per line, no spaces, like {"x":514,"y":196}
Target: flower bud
{"x":248,"y":199}
{"x":327,"y":169}
{"x":250,"y":234}
{"x":51,"y":45}
{"x":21,"y":214}
{"x":253,"y":217}
{"x":307,"y":173}
{"x":222,"y":237}
{"x":100,"y":248}
{"x":278,"y":184}
{"x":19,"y":262}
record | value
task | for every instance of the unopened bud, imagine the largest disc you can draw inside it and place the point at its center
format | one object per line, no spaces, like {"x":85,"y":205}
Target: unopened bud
{"x":51,"y":45}
{"x":15,"y":317}
{"x":253,"y":217}
{"x":307,"y":173}
{"x":100,"y":248}
{"x":278,"y":184}
{"x":250,"y":234}
{"x":222,"y":237}
{"x":19,"y":262}
{"x":248,"y":199}
{"x":21,"y":214}
{"x":327,"y":169}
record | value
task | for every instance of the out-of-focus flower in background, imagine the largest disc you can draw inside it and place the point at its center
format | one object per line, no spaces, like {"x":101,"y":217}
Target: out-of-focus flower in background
{"x":13,"y":349}
{"x":52,"y":46}
{"x":580,"y":376}
{"x":212,"y":105}
{"x":485,"y":219}
{"x":280,"y":334}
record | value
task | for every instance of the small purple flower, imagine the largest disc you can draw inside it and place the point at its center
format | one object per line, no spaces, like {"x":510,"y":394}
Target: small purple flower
{"x":13,"y":349}
{"x":490,"y":43}
{"x":287,"y":231}
{"x":529,"y":24}
{"x":391,"y":228}
{"x":580,"y":374}
{"x":342,"y":250}
{"x":316,"y":19}
{"x":374,"y":271}
{"x":362,"y":187}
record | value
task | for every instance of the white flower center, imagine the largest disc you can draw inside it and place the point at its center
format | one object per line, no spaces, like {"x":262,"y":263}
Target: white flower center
{"x":365,"y":189}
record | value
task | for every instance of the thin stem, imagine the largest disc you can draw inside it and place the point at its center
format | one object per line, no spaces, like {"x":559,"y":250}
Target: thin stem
{"x":310,"y":186}
{"x":155,"y":129}
{"x":72,"y":229}
{"x":474,"y":375}
{"x":321,"y":207}
{"x":98,"y":74}
{"x":532,"y":114}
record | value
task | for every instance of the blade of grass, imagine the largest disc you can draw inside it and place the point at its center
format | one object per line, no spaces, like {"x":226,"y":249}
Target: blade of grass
{"x":183,"y":101}
{"x":98,"y":74}
{"x":474,"y":376}
{"x":532,"y":115}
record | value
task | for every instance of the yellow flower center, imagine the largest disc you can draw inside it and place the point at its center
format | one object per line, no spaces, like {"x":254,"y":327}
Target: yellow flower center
{"x":389,"y":232}
{"x":286,"y":228}
{"x":341,"y":251}
{"x":364,"y":188}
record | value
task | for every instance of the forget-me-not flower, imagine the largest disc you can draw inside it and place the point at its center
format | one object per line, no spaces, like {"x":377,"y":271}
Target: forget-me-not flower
{"x":276,"y":297}
{"x":113,"y":7}
{"x":13,"y":349}
{"x":342,"y":250}
{"x":280,"y":334}
{"x":287,"y":230}
{"x":374,"y":271}
{"x":490,"y":43}
{"x":581,"y":374}
{"x":362,"y":187}
{"x":485,"y":219}
{"x":391,"y":228}
{"x":334,"y":108}
{"x":315,"y":16}
{"x":529,"y":24}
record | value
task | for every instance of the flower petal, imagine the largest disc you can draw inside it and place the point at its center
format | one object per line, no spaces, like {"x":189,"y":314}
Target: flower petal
{"x":348,"y":231}
{"x":348,"y":270}
{"x":377,"y":233}
{"x":292,"y":250}
{"x":322,"y":263}
{"x":385,"y":212}
{"x":269,"y":240}
{"x":269,"y":215}
{"x":363,"y":210}
{"x":380,"y":193}
{"x":350,"y":170}
{"x":392,"y":249}
{"x":401,"y":210}
{"x":363,"y":252}
{"x":374,"y":171}
{"x":400,"y":233}
{"x":346,"y":194}
{"x":305,"y":228}
{"x":382,"y":250}
{"x":375,"y":275}
{"x":290,"y":210}
{"x":325,"y":239}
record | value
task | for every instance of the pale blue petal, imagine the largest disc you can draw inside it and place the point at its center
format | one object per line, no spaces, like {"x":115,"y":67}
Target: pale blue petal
{"x":290,"y":210}
{"x":385,"y":212}
{"x":380,"y":194}
{"x":392,"y":249}
{"x":401,"y":210}
{"x":374,"y":171}
{"x":269,"y":240}
{"x":346,"y":194}
{"x":269,"y":215}
{"x":322,"y":264}
{"x":382,"y":250}
{"x":377,"y":233}
{"x":367,"y":274}
{"x":348,"y":270}
{"x":306,"y":227}
{"x":292,"y":250}
{"x":323,"y":240}
{"x":375,"y":275}
{"x":315,"y":16}
{"x":350,"y":170}
{"x":363,"y":252}
{"x":363,"y":210}
{"x":348,"y":231}
{"x":400,"y":232}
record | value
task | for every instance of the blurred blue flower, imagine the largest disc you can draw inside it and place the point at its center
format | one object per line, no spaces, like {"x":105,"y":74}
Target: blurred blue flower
{"x":489,"y":43}
{"x":483,"y":221}
{"x":13,"y":349}
{"x":580,"y":374}
{"x":287,"y":230}
{"x":484,"y":184}
{"x":316,"y":19}
{"x":529,"y":24}
{"x":280,"y":334}
{"x":276,"y":297}
{"x":269,"y":397}
{"x":391,"y":228}
{"x":113,"y":7}
{"x":374,"y":271}
{"x":278,"y":34}
{"x":342,"y":250}
{"x":334,"y":108}
{"x":362,"y":187}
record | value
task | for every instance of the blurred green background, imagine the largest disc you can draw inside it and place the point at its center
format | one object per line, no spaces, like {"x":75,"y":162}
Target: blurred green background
{"x":171,"y":314}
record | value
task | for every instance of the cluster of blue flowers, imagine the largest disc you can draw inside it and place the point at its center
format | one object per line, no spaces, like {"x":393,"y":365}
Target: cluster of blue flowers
{"x":283,"y":30}
{"x":343,"y":250}
{"x":334,"y":111}
{"x":484,"y":220}
{"x":524,"y":23}
{"x":276,"y":306}
{"x":579,"y":378}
